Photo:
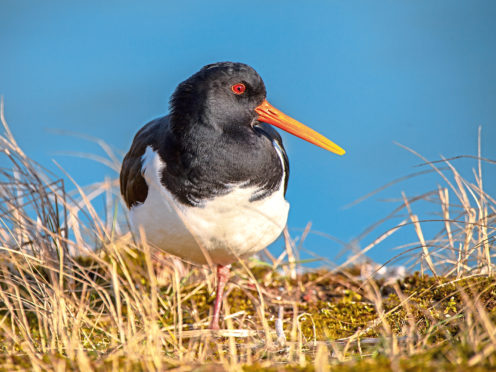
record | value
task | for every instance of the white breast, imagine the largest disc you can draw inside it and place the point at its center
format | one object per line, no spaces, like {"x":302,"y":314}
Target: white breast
{"x":225,"y":228}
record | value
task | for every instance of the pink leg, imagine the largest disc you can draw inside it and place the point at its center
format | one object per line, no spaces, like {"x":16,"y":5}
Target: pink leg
{"x":222,"y":277}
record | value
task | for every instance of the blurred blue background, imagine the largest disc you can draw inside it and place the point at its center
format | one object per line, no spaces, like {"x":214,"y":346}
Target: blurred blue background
{"x":364,"y":73}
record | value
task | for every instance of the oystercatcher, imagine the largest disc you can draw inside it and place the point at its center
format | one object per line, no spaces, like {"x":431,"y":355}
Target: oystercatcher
{"x":207,"y":182}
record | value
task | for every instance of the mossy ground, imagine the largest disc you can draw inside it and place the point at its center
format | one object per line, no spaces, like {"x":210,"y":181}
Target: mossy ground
{"x":329,"y":319}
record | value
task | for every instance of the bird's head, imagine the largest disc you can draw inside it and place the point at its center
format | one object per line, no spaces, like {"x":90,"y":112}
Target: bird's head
{"x":221,"y":94}
{"x":230,"y":95}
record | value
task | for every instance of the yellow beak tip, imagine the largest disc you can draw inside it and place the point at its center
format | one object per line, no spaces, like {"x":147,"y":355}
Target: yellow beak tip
{"x":338,"y":151}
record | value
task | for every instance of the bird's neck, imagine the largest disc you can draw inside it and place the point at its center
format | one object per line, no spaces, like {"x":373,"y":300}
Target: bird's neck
{"x":204,"y":161}
{"x":201,"y":130}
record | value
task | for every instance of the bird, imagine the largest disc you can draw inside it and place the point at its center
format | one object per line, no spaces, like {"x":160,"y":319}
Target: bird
{"x":207,"y":182}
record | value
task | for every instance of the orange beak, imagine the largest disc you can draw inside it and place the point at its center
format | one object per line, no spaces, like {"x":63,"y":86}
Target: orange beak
{"x":269,"y":114}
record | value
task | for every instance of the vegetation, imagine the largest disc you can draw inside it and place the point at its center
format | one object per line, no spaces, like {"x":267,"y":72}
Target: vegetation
{"x":77,"y":292}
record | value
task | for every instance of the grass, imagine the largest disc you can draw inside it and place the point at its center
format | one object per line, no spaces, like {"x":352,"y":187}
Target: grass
{"x":77,"y":292}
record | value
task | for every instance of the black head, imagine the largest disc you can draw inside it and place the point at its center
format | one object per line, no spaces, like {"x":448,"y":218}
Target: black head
{"x":230,"y":98}
{"x":221,"y":95}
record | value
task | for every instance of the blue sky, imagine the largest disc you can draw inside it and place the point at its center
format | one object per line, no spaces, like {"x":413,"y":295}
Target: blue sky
{"x":364,"y":73}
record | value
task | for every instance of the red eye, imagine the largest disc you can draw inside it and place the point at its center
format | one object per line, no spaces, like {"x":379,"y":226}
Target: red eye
{"x":238,"y":88}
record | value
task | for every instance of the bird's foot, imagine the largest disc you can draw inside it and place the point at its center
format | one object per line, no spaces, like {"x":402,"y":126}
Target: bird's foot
{"x":222,"y":277}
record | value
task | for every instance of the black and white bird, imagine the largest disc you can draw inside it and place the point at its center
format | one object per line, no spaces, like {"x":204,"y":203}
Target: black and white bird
{"x":207,"y":182}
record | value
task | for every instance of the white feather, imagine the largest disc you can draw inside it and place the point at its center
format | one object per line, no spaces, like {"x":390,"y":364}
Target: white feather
{"x":225,"y":228}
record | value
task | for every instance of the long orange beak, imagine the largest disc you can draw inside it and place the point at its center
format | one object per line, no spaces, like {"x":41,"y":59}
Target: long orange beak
{"x":269,"y":114}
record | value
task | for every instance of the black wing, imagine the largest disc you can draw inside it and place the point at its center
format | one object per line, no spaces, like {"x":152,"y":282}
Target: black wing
{"x":134,"y":189}
{"x":268,"y":131}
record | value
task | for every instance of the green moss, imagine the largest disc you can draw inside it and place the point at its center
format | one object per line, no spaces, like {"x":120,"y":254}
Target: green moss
{"x":437,"y":303}
{"x":336,"y":320}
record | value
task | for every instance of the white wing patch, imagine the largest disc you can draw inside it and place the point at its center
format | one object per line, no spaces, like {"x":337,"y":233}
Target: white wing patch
{"x":281,"y":158}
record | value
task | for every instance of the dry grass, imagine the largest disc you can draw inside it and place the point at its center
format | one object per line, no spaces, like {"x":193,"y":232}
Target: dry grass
{"x":77,"y":292}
